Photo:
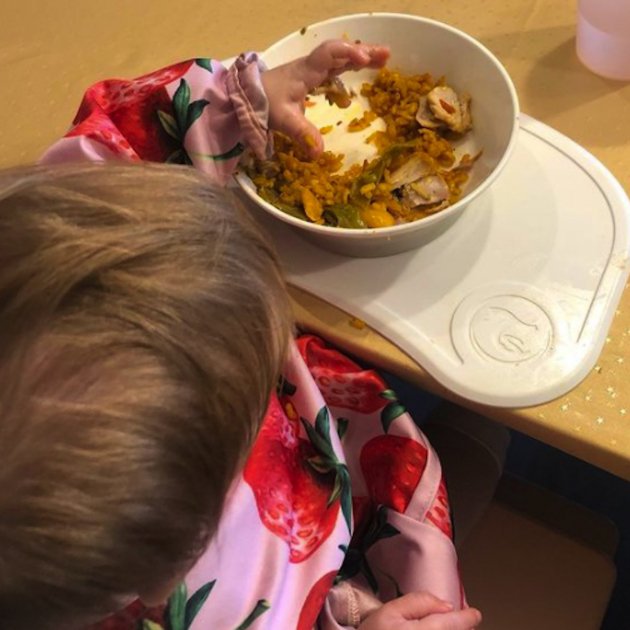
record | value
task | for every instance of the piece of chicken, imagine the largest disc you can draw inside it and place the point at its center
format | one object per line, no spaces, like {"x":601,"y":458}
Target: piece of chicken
{"x":448,"y":107}
{"x":429,"y":190}
{"x":425,"y":116}
{"x":415,"y":168}
{"x":466,"y":162}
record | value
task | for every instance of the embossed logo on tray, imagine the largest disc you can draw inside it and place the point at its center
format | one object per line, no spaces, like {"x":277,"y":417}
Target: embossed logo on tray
{"x":510,"y":329}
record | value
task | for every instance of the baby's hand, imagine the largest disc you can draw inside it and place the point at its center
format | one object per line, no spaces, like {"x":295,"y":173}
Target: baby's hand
{"x":421,"y":611}
{"x":287,"y":86}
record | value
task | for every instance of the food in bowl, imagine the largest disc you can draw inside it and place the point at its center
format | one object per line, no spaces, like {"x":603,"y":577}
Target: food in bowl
{"x":416,"y":44}
{"x":409,"y":170}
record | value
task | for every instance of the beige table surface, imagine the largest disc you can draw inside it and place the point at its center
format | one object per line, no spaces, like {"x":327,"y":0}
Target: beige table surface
{"x":51,"y":51}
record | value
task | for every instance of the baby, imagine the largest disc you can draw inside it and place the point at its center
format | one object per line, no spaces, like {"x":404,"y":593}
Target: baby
{"x":160,"y":431}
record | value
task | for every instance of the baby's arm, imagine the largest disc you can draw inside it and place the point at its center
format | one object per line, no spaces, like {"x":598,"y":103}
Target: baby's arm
{"x":421,"y":611}
{"x":199,"y":112}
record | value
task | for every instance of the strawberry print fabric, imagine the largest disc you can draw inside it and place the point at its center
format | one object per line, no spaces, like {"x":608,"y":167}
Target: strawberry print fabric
{"x":341,"y":487}
{"x":195,"y":112}
{"x":331,"y":493}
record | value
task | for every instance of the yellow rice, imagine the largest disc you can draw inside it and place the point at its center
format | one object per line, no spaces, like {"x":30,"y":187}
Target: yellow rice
{"x":392,"y":96}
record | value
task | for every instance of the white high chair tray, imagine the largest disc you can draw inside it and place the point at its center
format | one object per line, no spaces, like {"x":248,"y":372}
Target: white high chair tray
{"x":511,"y":306}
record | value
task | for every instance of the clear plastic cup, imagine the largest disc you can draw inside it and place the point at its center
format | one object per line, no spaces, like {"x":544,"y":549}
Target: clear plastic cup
{"x":603,"y":37}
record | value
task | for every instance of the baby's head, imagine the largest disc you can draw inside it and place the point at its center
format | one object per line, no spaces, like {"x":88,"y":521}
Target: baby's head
{"x":143,"y":324}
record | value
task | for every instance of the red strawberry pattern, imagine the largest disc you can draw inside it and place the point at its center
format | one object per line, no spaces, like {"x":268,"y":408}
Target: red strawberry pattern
{"x":343,"y":383}
{"x":99,"y":127}
{"x":392,"y":467}
{"x":140,"y":123}
{"x":315,"y":601}
{"x":137,"y":119}
{"x":130,"y":617}
{"x":113,"y":94}
{"x":316,"y":353}
{"x":297,"y":491}
{"x":439,"y":514}
{"x":359,"y":392}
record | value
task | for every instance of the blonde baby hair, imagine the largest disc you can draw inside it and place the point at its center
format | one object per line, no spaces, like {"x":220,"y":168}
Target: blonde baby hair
{"x":143,"y":324}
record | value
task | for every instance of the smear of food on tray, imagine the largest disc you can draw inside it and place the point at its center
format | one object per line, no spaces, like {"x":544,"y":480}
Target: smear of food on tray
{"x":390,"y":154}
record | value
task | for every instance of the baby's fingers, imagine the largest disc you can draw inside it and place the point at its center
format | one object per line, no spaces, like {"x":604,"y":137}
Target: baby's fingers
{"x":336,"y":56}
{"x":378,"y":55}
{"x":296,"y":126}
{"x":466,"y":619}
{"x":424,"y":611}
{"x":418,"y":605}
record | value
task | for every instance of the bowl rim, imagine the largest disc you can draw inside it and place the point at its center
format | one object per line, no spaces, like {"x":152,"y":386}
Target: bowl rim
{"x":247,"y":186}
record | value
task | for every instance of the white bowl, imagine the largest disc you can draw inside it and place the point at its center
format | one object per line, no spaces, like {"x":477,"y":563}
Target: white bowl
{"x":417,"y":45}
